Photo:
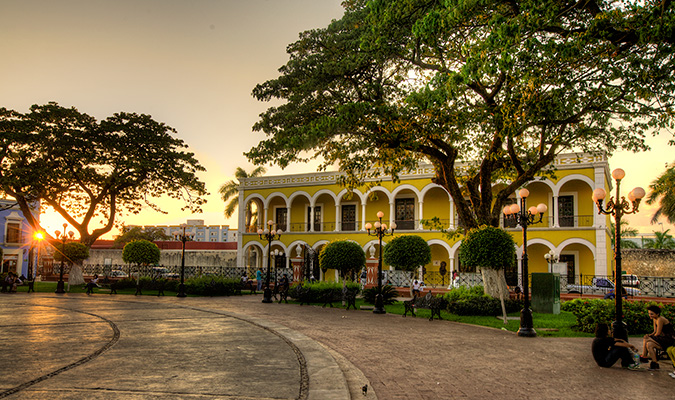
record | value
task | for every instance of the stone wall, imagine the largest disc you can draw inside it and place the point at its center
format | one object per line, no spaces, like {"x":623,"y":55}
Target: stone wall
{"x":197,"y":258}
{"x":648,"y":262}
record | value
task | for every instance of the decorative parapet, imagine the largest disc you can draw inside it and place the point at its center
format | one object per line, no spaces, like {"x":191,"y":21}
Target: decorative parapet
{"x":570,"y":160}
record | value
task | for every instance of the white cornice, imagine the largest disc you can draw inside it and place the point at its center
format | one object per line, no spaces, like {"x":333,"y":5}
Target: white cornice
{"x":423,"y":171}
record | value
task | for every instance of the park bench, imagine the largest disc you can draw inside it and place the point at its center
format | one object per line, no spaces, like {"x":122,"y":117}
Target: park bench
{"x":428,"y":301}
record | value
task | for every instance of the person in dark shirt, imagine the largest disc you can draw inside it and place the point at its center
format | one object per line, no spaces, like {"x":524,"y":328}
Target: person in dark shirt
{"x":607,"y":350}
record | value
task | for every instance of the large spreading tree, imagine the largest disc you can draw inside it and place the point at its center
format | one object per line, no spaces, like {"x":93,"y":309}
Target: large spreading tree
{"x":484,"y":90}
{"x":92,"y":171}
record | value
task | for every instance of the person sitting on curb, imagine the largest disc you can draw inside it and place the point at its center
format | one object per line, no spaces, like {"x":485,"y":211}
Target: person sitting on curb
{"x":607,"y":350}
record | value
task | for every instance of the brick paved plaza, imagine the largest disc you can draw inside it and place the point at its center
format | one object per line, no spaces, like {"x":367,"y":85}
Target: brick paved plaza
{"x":123,"y":347}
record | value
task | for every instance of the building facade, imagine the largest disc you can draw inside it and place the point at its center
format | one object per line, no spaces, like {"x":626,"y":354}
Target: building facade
{"x":16,"y":238}
{"x":202,"y":232}
{"x":312,"y":210}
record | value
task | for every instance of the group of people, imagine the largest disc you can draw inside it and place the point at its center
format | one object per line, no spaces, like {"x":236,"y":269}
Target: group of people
{"x":607,"y":350}
{"x":12,"y":280}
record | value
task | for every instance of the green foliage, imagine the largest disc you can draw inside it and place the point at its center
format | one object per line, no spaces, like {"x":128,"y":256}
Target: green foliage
{"x":343,"y":255}
{"x":407,"y":252}
{"x":508,"y":85}
{"x":88,"y":170}
{"x":389,"y":295}
{"x":473,"y":301}
{"x":318,"y":292}
{"x":662,"y":191}
{"x":662,"y":240}
{"x":140,"y":252}
{"x":212,"y":286}
{"x":487,"y":247}
{"x":590,"y":312}
{"x":129,"y":234}
{"x":625,"y":232}
{"x":74,"y":252}
{"x":230,"y":190}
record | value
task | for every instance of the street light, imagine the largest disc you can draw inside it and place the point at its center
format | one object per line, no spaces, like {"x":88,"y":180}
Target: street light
{"x":525,"y":217}
{"x":380,"y":232}
{"x":617,"y":209}
{"x":183,"y":236}
{"x":270,"y":235}
{"x":551,"y":258}
{"x":60,"y":286}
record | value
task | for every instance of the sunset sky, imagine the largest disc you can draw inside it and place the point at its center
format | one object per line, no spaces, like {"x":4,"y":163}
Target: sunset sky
{"x":189,"y":64}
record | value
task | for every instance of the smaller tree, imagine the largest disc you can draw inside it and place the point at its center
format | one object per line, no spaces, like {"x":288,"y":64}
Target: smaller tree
{"x":140,"y":252}
{"x":73,"y":253}
{"x":407,"y":252}
{"x":490,"y":249}
{"x":343,"y":255}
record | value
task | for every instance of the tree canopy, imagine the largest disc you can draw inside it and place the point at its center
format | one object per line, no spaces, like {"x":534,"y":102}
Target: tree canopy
{"x":87,"y":169}
{"x":485,"y":91}
{"x":407,"y":252}
{"x":74,"y":252}
{"x":487,"y":247}
{"x":230,"y":191}
{"x":662,"y":191}
{"x":343,"y":255}
{"x":140,"y":252}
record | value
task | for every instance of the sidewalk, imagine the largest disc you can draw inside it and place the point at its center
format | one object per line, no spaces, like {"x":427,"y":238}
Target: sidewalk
{"x":124,"y":347}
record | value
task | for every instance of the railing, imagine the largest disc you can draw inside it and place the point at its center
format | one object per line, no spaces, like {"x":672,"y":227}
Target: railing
{"x":576,"y":221}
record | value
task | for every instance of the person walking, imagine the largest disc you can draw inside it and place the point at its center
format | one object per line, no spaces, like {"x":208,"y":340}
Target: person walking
{"x":258,"y":278}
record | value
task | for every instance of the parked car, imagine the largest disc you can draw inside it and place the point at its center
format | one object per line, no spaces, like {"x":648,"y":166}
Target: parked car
{"x":630,"y":280}
{"x":118,"y":273}
{"x":601,"y":286}
{"x":163,"y":272}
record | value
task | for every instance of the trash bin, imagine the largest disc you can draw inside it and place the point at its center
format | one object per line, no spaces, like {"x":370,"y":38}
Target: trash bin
{"x":546,"y":292}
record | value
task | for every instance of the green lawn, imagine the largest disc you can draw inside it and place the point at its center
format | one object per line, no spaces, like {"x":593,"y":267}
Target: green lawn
{"x":546,"y":325}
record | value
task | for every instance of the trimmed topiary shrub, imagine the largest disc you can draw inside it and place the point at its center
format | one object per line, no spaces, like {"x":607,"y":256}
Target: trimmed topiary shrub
{"x":407,"y":252}
{"x":140,"y":252}
{"x":343,"y":255}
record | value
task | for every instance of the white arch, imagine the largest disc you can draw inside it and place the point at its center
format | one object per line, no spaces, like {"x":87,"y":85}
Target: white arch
{"x":573,"y":177}
{"x":382,"y":189}
{"x":406,"y":187}
{"x":441,"y":243}
{"x":254,"y":196}
{"x":298,"y":194}
{"x":584,"y":242}
{"x":430,"y":186}
{"x":321,"y":192}
{"x":271,"y":197}
{"x":361,"y":196}
{"x":320,"y":243}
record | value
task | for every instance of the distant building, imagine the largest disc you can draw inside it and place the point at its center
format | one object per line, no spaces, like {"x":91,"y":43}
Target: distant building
{"x":203,"y":233}
{"x":16,"y":237}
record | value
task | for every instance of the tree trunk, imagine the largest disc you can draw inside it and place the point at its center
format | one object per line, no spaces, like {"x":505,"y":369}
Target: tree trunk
{"x":75,"y":276}
{"x":494,"y":283}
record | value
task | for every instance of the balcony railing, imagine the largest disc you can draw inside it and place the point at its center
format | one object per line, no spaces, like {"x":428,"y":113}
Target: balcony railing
{"x":576,"y":221}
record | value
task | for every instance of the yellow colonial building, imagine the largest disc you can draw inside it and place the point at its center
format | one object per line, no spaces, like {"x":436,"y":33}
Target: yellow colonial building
{"x":312,"y":210}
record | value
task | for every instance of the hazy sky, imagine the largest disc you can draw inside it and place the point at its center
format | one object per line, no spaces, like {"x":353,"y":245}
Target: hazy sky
{"x":190,"y":64}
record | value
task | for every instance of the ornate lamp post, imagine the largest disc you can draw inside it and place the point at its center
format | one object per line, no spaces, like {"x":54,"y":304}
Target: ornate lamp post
{"x":551,"y":258}
{"x":60,"y":286}
{"x":270,"y":235}
{"x":525,"y":217}
{"x":182,"y":236}
{"x":618,"y":209}
{"x":309,"y":256}
{"x":380,"y":232}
